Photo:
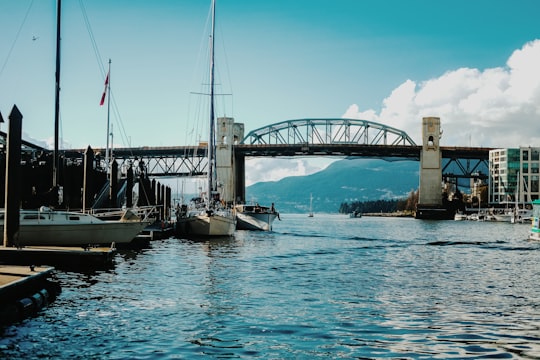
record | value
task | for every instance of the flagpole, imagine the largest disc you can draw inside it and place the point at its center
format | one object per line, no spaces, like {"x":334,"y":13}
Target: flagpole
{"x":108,"y":89}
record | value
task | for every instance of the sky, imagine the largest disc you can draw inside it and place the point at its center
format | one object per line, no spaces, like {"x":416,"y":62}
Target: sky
{"x":475,"y":64}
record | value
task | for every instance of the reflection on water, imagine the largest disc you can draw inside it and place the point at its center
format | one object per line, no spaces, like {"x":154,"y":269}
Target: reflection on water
{"x":323,"y":287}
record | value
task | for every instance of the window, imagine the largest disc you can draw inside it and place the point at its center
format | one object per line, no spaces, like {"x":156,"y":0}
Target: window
{"x":33,"y":217}
{"x":534,"y":183}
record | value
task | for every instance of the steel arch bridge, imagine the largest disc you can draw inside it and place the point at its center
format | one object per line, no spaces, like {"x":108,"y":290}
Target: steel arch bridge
{"x":327,"y":131}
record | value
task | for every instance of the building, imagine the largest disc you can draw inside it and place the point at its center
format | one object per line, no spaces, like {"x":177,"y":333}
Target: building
{"x":514,"y":175}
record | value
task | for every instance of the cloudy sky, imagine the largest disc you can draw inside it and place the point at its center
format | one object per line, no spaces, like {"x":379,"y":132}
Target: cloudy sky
{"x":475,"y":64}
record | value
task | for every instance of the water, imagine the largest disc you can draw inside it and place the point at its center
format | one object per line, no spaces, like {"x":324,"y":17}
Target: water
{"x":322,"y":287}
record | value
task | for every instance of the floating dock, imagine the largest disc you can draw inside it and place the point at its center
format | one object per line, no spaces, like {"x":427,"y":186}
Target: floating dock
{"x":156,"y":231}
{"x":24,"y":290}
{"x":59,"y":257}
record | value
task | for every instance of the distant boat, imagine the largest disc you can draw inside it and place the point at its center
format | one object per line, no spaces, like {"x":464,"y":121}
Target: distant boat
{"x":459,"y":216}
{"x":310,"y":205}
{"x":504,"y":215}
{"x":520,"y":215}
{"x":535,"y":222}
{"x":206,"y":215}
{"x":355,"y":214}
{"x":255,"y":217}
{"x":47,"y":227}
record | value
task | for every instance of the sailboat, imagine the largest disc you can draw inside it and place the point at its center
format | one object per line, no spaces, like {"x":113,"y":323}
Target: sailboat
{"x":310,"y":205}
{"x":49,"y":227}
{"x":207,"y":215}
{"x":521,"y":215}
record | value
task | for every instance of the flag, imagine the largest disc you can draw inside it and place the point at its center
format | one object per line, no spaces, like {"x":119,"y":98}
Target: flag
{"x":104,"y":91}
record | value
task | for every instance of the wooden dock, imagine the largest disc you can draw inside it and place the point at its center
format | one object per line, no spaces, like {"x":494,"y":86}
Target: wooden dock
{"x":24,"y":290}
{"x":59,"y":257}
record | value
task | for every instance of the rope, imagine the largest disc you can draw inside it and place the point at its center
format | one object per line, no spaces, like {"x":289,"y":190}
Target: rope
{"x":16,"y":38}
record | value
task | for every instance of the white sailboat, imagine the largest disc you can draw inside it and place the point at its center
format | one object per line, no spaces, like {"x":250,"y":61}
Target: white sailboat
{"x":521,"y":215}
{"x":310,"y":205}
{"x":207,"y":216}
{"x":49,"y":227}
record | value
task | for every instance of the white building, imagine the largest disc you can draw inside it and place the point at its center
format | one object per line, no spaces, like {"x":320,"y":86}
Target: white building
{"x":514,"y":175}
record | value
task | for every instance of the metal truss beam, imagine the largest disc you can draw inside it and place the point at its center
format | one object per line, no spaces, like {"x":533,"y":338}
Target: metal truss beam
{"x":327,"y":131}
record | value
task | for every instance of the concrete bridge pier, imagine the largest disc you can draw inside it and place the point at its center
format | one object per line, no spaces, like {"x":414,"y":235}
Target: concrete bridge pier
{"x":430,"y":202}
{"x":228,"y":133}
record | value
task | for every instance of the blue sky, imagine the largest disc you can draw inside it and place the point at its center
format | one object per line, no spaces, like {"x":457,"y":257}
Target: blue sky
{"x":473,"y":63}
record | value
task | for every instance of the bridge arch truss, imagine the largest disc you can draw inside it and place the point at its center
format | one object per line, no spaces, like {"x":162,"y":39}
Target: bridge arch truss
{"x":337,"y":131}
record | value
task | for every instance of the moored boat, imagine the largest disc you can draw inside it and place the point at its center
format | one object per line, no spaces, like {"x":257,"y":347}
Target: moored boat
{"x":208,"y":216}
{"x":535,"y":222}
{"x":47,"y":227}
{"x":501,"y":215}
{"x":255,"y":217}
{"x":460,"y":216}
{"x":355,"y":214}
{"x":521,"y":216}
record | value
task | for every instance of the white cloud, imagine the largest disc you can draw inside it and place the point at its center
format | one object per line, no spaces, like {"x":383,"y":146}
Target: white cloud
{"x":497,"y":107}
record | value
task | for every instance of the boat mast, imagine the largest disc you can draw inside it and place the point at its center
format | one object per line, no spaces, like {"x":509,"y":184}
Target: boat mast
{"x":108,"y":90}
{"x":211,"y":139}
{"x":57,"y":98}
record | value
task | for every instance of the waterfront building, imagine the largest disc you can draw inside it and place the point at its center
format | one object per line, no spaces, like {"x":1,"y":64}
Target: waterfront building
{"x":514,"y":175}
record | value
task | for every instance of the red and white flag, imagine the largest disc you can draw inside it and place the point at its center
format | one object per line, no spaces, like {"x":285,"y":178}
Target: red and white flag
{"x":104,"y":91}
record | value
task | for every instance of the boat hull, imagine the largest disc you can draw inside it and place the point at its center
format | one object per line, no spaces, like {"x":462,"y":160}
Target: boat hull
{"x":51,"y":228}
{"x":206,"y":225}
{"x":255,"y":221}
{"x":79,"y":235}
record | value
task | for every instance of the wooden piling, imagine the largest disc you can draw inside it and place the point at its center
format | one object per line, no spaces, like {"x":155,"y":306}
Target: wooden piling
{"x":113,"y":184}
{"x":129,"y":189}
{"x":88,"y":178}
{"x":13,"y":177}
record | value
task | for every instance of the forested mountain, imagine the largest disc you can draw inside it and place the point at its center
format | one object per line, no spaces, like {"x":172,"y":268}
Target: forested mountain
{"x":343,"y":181}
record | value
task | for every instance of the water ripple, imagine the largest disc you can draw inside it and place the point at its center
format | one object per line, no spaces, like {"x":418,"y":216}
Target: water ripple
{"x":373,"y":288}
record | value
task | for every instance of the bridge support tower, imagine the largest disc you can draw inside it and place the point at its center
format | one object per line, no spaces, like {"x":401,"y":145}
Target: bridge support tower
{"x":430,"y":202}
{"x":228,"y":133}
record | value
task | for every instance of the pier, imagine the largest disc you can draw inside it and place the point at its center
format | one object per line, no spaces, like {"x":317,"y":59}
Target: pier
{"x":24,"y":290}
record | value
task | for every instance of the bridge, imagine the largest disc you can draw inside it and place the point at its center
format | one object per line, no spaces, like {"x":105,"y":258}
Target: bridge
{"x":337,"y":137}
{"x":304,"y":137}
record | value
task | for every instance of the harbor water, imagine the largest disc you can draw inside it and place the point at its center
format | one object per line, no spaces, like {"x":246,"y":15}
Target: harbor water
{"x":322,"y":287}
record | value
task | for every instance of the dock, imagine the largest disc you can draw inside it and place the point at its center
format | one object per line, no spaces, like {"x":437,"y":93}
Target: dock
{"x":157,"y":231}
{"x":71,"y":258}
{"x":24,"y":290}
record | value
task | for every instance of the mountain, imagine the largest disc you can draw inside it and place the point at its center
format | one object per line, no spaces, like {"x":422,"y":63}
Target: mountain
{"x":343,"y":181}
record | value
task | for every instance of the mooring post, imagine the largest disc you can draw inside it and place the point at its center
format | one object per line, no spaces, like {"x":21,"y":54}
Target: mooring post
{"x":13,"y":177}
{"x":113,"y":184}
{"x":129,"y":189}
{"x":87,"y":177}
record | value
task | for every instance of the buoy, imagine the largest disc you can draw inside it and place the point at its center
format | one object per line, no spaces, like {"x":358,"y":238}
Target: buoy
{"x":26,"y":308}
{"x":45,"y":294}
{"x":38,"y":300}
